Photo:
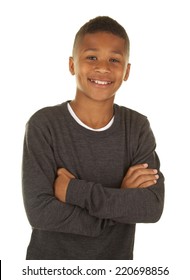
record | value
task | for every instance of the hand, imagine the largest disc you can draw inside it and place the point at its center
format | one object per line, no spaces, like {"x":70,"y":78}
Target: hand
{"x":61,"y":183}
{"x":140,"y":176}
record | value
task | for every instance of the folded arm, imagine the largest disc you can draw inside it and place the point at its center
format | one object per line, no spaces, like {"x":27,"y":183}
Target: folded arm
{"x":134,"y":203}
{"x":126,"y":205}
{"x":43,"y":209}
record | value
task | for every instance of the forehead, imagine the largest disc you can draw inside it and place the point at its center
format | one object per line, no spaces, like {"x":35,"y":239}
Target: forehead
{"x":101,"y":40}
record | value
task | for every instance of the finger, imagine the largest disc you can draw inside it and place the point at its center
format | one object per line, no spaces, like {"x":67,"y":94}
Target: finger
{"x":136,"y":167}
{"x":148,"y":184}
{"x":140,"y":174}
{"x":61,"y":171}
{"x":64,"y":171}
{"x":136,"y":182}
{"x":144,"y":178}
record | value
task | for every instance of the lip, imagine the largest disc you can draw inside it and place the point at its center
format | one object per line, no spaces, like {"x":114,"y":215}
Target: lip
{"x":100,"y":82}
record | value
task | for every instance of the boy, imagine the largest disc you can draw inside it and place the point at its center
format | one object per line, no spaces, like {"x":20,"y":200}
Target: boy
{"x":90,"y":170}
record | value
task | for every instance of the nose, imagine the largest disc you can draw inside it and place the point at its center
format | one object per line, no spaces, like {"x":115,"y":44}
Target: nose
{"x":102,"y":67}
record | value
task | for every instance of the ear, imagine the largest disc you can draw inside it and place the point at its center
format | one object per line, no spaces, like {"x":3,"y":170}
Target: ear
{"x":71,"y":65}
{"x":127,"y":72}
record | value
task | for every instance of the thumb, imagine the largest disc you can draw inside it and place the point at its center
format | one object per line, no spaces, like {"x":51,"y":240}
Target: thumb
{"x":64,"y":171}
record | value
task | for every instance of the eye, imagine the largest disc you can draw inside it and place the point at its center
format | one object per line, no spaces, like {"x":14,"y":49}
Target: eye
{"x":115,"y":60}
{"x":91,"y":57}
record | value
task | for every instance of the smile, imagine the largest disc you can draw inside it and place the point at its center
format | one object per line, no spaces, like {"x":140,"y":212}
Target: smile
{"x":100,"y":82}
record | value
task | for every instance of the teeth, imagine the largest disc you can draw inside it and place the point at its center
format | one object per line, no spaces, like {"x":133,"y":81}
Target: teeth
{"x":101,"y":82}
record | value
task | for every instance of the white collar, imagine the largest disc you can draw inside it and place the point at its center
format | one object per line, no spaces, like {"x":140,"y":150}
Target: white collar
{"x":84,"y":125}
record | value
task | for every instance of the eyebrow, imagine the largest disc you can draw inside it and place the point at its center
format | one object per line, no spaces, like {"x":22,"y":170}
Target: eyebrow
{"x":90,"y":49}
{"x":95,"y":49}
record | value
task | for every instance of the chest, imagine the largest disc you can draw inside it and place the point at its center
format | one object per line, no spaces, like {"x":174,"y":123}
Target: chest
{"x":101,"y":159}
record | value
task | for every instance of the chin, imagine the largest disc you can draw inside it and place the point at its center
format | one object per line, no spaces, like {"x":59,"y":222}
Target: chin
{"x":102,"y":98}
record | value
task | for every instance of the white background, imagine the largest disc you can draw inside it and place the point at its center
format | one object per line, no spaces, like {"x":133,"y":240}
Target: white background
{"x":36,"y":41}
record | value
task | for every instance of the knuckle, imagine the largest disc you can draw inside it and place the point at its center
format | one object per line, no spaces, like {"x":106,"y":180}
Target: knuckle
{"x":60,"y":171}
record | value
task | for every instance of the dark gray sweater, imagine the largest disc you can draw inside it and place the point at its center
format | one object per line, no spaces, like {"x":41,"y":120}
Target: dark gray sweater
{"x":98,"y":219}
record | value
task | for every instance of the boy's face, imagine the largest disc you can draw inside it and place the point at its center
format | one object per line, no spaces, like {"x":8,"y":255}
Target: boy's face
{"x":100,"y":64}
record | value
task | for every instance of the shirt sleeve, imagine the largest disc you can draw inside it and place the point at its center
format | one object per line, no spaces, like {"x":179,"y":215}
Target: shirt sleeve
{"x":43,"y":210}
{"x":132,"y":205}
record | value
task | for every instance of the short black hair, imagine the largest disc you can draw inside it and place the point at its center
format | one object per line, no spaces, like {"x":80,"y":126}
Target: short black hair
{"x":102,"y":24}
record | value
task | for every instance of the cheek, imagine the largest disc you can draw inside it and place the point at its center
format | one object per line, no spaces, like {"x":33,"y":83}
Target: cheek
{"x":120,"y":75}
{"x":80,"y":71}
{"x":81,"y":77}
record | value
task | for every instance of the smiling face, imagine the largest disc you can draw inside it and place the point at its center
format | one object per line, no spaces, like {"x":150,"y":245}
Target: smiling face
{"x":100,"y":64}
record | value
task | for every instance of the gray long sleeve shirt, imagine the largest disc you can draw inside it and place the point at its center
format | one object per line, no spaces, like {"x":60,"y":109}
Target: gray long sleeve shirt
{"x":98,"y":219}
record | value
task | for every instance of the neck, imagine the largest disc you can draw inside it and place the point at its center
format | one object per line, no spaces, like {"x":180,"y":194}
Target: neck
{"x":95,"y":114}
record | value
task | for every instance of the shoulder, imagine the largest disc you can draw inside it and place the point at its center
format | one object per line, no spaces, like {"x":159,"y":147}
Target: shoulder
{"x":48,"y":115}
{"x":130,"y":116}
{"x":138,"y":132}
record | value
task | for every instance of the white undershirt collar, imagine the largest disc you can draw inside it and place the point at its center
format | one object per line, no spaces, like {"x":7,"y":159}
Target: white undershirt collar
{"x":84,"y":125}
